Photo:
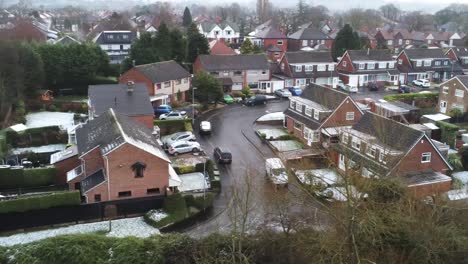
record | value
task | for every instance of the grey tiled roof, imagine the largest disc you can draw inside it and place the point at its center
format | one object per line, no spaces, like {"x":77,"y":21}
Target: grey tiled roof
{"x":309,"y":34}
{"x":116,"y":96}
{"x":234,"y":62}
{"x":92,"y":181}
{"x":463,"y":79}
{"x":425,"y":54}
{"x":327,"y":97}
{"x":370,"y":55}
{"x":163,"y":71}
{"x":309,"y":57}
{"x":270,"y":32}
{"x":116,"y":37}
{"x":308,"y":122}
{"x":461,"y":52}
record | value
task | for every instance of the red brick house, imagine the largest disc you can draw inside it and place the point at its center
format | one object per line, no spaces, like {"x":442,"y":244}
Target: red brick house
{"x":120,"y":159}
{"x":314,"y":116}
{"x":460,"y":55}
{"x":22,"y":30}
{"x":218,"y":47}
{"x":163,"y":80}
{"x":309,"y":37}
{"x":64,"y":161}
{"x":129,"y":99}
{"x":271,"y":39}
{"x":360,"y":67}
{"x":376,"y":146}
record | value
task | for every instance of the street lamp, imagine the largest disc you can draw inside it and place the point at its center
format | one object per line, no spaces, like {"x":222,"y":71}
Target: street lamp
{"x":193,"y":105}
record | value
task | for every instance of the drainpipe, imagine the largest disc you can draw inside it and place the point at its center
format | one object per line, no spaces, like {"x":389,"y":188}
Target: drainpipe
{"x":108,"y":180}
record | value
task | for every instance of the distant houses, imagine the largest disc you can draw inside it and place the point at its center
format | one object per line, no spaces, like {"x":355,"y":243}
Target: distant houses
{"x":116,"y":43}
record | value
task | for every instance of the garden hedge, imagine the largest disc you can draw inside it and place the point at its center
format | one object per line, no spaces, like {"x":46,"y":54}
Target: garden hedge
{"x":171,"y":126}
{"x":40,"y":202}
{"x":21,"y":178}
{"x":199,"y":202}
{"x":36,"y":137}
{"x":448,"y":132}
{"x":411,"y":96}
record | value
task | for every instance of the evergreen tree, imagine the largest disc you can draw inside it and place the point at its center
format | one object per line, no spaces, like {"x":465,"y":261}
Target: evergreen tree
{"x":209,"y":88}
{"x":32,"y":69}
{"x":197,"y":44}
{"x":187,"y":18}
{"x":247,"y":47}
{"x":346,"y":39}
{"x":143,"y":51}
{"x":163,"y":43}
{"x":178,"y":45}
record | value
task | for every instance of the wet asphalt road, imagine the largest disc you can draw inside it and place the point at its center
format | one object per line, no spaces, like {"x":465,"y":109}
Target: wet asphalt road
{"x":233,"y":128}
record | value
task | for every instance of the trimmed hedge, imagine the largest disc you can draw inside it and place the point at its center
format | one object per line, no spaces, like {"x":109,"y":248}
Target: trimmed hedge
{"x":448,"y":132}
{"x":36,"y":137}
{"x":185,"y":169}
{"x":198,"y":201}
{"x":20,"y":178}
{"x":411,"y":96}
{"x":40,"y":202}
{"x":171,"y":126}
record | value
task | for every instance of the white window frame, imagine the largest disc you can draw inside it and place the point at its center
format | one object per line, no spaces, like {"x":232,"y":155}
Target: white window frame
{"x":371,"y":151}
{"x":446,"y":63}
{"x":356,"y":143}
{"x":315,"y":136}
{"x":426,"y":157}
{"x":427,"y":63}
{"x":370,"y":66}
{"x":382,"y":65}
{"x":297,"y":123}
{"x":167,"y":84}
{"x":349,"y":116}
{"x":437,"y":63}
{"x":298,"y":107}
{"x":292,"y":104}
{"x":279,"y":42}
{"x":418,"y":63}
{"x":400,"y":61}
{"x":407,"y":42}
{"x":305,"y":43}
{"x":345,"y":138}
{"x":391,"y":65}
{"x":309,"y":68}
{"x":298,"y":68}
{"x":390,"y":42}
{"x":316,"y":114}
{"x":382,"y":157}
{"x":308,"y":111}
{"x":331,"y":67}
{"x":321,"y":67}
{"x":459,"y":93}
{"x":361,"y":66}
{"x":445,"y":89}
{"x":344,"y":63}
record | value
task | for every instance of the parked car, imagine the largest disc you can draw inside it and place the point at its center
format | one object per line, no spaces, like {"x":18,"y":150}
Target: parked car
{"x":340,"y":84}
{"x":256,"y":100}
{"x":162,"y":109}
{"x":423,"y":83}
{"x":373,"y":86}
{"x":283,"y":93}
{"x":173,"y":115}
{"x":276,"y":171}
{"x":190,"y":110}
{"x":222,"y":155}
{"x":295,"y":91}
{"x":404,"y":89}
{"x":205,"y":127}
{"x":227,"y":98}
{"x":179,"y":136}
{"x":349,"y":88}
{"x":180,"y":147}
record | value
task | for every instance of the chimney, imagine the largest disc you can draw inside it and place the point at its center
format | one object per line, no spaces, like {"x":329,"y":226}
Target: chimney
{"x":130,"y":85}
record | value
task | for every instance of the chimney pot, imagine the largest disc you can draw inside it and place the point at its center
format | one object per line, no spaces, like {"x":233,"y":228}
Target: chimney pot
{"x":130,"y":85}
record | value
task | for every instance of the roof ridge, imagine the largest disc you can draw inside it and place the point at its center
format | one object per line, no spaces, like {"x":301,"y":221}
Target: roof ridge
{"x":119,"y":126}
{"x":393,"y":121}
{"x":158,"y":62}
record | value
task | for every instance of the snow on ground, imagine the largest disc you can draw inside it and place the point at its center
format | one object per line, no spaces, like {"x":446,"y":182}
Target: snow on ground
{"x":286,"y":145}
{"x":157,"y":215}
{"x":272,"y":117}
{"x":188,"y":161}
{"x":120,"y":228}
{"x":272,"y":133}
{"x":45,"y":119}
{"x":41,"y":149}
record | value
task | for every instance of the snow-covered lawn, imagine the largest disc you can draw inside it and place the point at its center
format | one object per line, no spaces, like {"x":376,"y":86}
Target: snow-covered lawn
{"x":157,"y":215}
{"x":273,"y":133}
{"x":272,"y":117}
{"x":45,"y":119}
{"x":188,"y":161}
{"x":41,"y":149}
{"x":120,"y":228}
{"x":286,"y":145}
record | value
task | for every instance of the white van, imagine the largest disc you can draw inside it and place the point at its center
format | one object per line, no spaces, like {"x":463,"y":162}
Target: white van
{"x":276,"y":171}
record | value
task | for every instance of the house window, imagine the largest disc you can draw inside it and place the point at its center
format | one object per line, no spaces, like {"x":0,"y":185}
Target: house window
{"x":391,"y":65}
{"x":185,"y":80}
{"x":125,"y":194}
{"x":321,"y":67}
{"x":308,"y":111}
{"x":237,"y":73}
{"x":153,"y":191}
{"x":418,"y":63}
{"x":109,"y":47}
{"x":370,"y":66}
{"x":382,"y":157}
{"x":407,"y":42}
{"x":121,"y":47}
{"x":228,"y":32}
{"x":264,"y":72}
{"x":291,"y":104}
{"x":382,"y":65}
{"x":457,"y":106}
{"x":367,"y":173}
{"x":298,"y":68}
{"x":125,"y":36}
{"x":316,"y":114}
{"x":427,"y":63}
{"x":331,"y":67}
{"x":167,"y":84}
{"x":282,"y":66}
{"x":299,"y":107}
{"x":349,"y":116}
{"x":446,"y":63}
{"x":400,"y":41}
{"x":344,"y":63}
{"x":437,"y":63}
{"x":177,"y":82}
{"x":138,"y":168}
{"x":297,"y":125}
{"x":426,"y":157}
{"x":445,"y":89}
{"x":304,"y":43}
{"x":97,"y":197}
{"x":459,"y":93}
{"x":280,"y":42}
{"x":345,"y":138}
{"x":371,"y":151}
{"x":400,"y":61}
{"x":361,"y":66}
{"x":276,"y":54}
{"x":315,"y":136}
{"x":390,"y":42}
{"x":216,"y":32}
{"x":111,"y":36}
{"x":356,"y":143}
{"x":226,"y":73}
{"x":214,"y":73}
{"x":309,"y":68}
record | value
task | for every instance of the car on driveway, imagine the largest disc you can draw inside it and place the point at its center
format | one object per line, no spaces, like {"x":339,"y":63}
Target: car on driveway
{"x":283,"y":93}
{"x":173,"y":115}
{"x":349,"y":88}
{"x":205,"y":127}
{"x":341,"y":84}
{"x":180,"y":147}
{"x":227,"y":98}
{"x":162,"y":109}
{"x":423,"y":83}
{"x":404,"y":89}
{"x":295,"y":91}
{"x":373,"y":86}
{"x":222,"y":155}
{"x":179,"y":136}
{"x":256,"y":100}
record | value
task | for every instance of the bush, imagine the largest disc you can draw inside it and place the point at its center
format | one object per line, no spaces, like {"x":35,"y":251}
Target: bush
{"x":188,"y":127}
{"x":176,"y":209}
{"x":448,"y":132}
{"x":184,"y":169}
{"x":200,"y":202}
{"x":411,"y":96}
{"x":36,"y":137}
{"x":20,"y":178}
{"x":246,"y":91}
{"x":238,"y":94}
{"x":40,"y":202}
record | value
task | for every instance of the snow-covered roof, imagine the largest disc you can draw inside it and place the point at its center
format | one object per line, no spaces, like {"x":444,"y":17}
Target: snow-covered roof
{"x":272,"y":116}
{"x":64,"y":154}
{"x":431,"y":126}
{"x":18,"y":127}
{"x":174,"y":180}
{"x":193,"y":182}
{"x":41,"y":149}
{"x":437,"y":117}
{"x":45,"y":119}
{"x":322,"y":176}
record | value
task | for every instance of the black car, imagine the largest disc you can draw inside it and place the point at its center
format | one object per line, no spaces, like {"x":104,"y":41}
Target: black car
{"x":404,"y":89}
{"x":373,"y":87}
{"x":222,"y":155}
{"x":256,"y":100}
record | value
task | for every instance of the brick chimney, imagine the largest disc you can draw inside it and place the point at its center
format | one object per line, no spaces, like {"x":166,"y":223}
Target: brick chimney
{"x":130,"y":85}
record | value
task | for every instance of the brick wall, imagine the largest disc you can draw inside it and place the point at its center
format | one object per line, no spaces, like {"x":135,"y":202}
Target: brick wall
{"x":93,"y":161}
{"x":65,"y":166}
{"x":137,"y":77}
{"x":349,"y":65}
{"x":338,"y":118}
{"x":430,"y":189}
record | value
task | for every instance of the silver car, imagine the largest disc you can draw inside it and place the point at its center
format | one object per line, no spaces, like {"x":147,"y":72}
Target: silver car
{"x":173,"y":115}
{"x":179,"y":136}
{"x":283,"y":93}
{"x":180,"y":147}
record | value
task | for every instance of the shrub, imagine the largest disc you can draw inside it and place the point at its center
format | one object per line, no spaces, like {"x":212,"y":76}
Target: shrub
{"x":448,"y":132}
{"x":246,"y":91}
{"x":188,"y":127}
{"x":286,"y":137}
{"x":20,"y":178}
{"x":200,"y":202}
{"x":184,"y":169}
{"x":411,"y":96}
{"x":40,"y":202}
{"x":53,"y":108}
{"x":238,"y":94}
{"x":176,"y":209}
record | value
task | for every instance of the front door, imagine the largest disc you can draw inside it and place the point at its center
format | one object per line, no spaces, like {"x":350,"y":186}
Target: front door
{"x":443,"y":107}
{"x":341,"y":162}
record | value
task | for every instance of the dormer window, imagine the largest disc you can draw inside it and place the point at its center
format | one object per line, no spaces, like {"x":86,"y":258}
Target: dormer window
{"x":391,"y":65}
{"x":446,"y":63}
{"x":321,"y":67}
{"x":298,"y":68}
{"x":437,"y":63}
{"x":361,"y":66}
{"x":309,"y":68}
{"x":331,"y":67}
{"x":382,"y":65}
{"x":138,"y":168}
{"x":418,"y":63}
{"x":125,"y":36}
{"x":370,"y":66}
{"x":427,"y":63}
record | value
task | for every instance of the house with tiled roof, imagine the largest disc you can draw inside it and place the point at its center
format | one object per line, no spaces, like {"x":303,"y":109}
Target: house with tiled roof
{"x":271,"y":39}
{"x":116,"y":43}
{"x":376,"y":146}
{"x":308,"y":37}
{"x":431,"y":64}
{"x":360,"y":67}
{"x":66,"y":40}
{"x":460,"y":55}
{"x":226,"y":31}
{"x":120,"y":159}
{"x":237,"y":71}
{"x":453,"y":94}
{"x":165,"y":81}
{"x":299,"y":68}
{"x":218,"y":47}
{"x":317,"y":112}
{"x":130,"y":99}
